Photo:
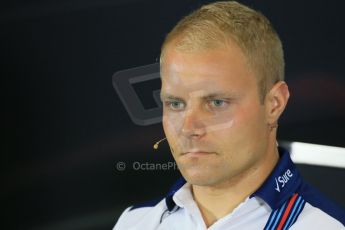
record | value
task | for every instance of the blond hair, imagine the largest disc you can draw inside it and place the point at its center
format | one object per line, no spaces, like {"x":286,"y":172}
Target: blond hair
{"x":213,"y":25}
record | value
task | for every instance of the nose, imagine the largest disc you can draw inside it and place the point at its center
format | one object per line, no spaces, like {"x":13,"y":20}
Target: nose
{"x":193,"y":126}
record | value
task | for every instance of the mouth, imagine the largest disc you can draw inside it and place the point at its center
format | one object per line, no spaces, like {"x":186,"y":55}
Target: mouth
{"x":196,"y":153}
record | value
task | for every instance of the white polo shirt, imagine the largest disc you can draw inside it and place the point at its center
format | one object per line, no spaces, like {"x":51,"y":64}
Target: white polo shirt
{"x":284,"y":201}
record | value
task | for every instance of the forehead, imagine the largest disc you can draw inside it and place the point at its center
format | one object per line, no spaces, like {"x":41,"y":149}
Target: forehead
{"x":206,"y":71}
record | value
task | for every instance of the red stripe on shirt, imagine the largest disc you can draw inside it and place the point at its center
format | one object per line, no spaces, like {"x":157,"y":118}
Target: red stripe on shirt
{"x":287,"y":211}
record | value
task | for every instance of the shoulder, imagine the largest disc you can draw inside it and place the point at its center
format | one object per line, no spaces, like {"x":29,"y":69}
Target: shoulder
{"x":319,"y":210}
{"x":132,"y":215}
{"x":313,"y":217}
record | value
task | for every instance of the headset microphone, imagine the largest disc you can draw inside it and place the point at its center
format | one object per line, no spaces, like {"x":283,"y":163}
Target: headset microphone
{"x":155,"y":146}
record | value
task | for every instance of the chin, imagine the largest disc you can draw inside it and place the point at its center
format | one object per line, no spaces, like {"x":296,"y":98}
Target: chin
{"x":200,"y":178}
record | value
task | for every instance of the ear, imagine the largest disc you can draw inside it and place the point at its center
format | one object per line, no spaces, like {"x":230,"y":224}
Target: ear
{"x":275,"y":101}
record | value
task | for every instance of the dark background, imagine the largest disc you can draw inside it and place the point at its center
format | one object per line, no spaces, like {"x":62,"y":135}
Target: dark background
{"x":65,"y":127}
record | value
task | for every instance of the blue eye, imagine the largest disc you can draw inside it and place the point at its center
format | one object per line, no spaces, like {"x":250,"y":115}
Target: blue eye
{"x":217,"y":103}
{"x":175,"y":105}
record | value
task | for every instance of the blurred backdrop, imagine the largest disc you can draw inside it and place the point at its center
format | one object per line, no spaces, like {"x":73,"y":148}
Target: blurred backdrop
{"x":66,"y":129}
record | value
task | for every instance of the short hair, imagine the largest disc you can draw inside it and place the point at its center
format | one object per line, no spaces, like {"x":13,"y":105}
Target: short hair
{"x":215,"y":24}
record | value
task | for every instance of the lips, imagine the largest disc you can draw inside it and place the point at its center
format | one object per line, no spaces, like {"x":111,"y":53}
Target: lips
{"x":197,"y":153}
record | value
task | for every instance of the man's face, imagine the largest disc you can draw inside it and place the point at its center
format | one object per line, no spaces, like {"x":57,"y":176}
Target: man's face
{"x":212,"y":116}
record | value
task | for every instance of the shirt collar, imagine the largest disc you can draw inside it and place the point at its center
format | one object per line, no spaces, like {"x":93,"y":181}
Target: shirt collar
{"x":169,"y":198}
{"x":281,"y":183}
{"x":277,"y":188}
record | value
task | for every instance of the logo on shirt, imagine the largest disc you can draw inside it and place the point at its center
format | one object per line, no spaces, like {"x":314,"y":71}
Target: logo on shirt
{"x":282,"y":180}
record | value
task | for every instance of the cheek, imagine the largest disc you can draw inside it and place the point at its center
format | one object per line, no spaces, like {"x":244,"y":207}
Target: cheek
{"x":170,"y":127}
{"x":171,"y":124}
{"x":222,"y":122}
{"x":247,"y":127}
{"x":237,"y":125}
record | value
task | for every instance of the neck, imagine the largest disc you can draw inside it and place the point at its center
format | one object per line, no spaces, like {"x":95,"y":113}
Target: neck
{"x":217,"y":201}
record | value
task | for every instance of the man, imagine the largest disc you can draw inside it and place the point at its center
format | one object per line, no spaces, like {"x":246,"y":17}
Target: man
{"x":222,"y":72}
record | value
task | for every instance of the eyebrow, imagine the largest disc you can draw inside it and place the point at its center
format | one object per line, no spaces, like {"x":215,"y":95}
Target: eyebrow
{"x":204,"y":97}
